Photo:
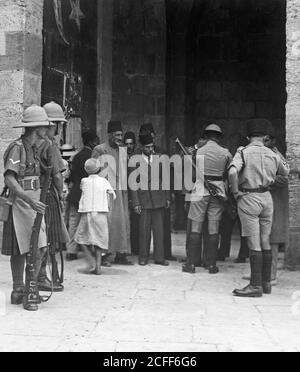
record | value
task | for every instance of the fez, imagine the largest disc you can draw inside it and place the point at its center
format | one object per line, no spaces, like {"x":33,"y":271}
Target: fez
{"x":146,"y":139}
{"x":114,"y":126}
{"x":129,"y":135}
{"x":147,"y":128}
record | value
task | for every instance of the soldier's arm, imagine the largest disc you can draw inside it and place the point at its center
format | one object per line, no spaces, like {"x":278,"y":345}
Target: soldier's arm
{"x":13,"y":185}
{"x":280,"y":182}
{"x":58,"y":168}
{"x":233,"y":178}
{"x":235,"y":168}
{"x":283,"y":167}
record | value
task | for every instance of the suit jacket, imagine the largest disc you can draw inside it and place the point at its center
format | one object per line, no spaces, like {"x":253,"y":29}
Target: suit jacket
{"x":149,"y":199}
{"x":78,"y":173}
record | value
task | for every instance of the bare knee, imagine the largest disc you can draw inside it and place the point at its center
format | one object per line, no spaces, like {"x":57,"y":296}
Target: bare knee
{"x":213,"y":227}
{"x":254,"y":243}
{"x":196,"y":227}
{"x":265,"y":242}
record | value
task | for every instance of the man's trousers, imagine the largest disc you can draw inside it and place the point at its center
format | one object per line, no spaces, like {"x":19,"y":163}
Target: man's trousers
{"x":152,"y":220}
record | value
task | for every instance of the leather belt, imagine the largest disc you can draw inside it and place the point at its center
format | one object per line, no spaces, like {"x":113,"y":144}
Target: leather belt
{"x":30,"y":184}
{"x":214,"y":178}
{"x":260,"y":190}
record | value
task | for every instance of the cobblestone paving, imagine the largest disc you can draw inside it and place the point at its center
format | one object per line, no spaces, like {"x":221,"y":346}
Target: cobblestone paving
{"x":154,"y":309}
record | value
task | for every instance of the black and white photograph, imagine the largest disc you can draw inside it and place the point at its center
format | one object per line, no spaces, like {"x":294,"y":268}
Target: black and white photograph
{"x":149,"y":179}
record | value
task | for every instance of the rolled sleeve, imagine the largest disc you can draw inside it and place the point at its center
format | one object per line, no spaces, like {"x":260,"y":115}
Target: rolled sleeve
{"x":237,"y":161}
{"x":13,"y":160}
{"x":283,"y":168}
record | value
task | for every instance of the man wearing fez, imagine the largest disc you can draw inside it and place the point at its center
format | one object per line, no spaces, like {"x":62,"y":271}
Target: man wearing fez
{"x":130,"y":143}
{"x":119,"y":223}
{"x":150,"y":205}
{"x":148,"y":128}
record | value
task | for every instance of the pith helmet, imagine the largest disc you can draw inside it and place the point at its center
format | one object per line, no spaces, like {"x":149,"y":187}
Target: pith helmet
{"x":213,"y":128}
{"x":33,"y":117}
{"x":259,"y":127}
{"x":55,"y":112}
{"x":67,"y":151}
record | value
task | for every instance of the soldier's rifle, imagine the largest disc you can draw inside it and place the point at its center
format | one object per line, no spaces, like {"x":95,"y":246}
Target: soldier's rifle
{"x":34,"y":241}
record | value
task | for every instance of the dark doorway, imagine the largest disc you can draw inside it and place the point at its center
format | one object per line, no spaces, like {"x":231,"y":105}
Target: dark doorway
{"x":225,"y":64}
{"x":234,"y":59}
{"x":70,"y":61}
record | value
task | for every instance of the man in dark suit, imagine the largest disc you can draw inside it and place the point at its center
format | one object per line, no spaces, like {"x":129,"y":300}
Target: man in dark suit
{"x":150,"y":205}
{"x":90,"y":141}
{"x":130,"y":143}
{"x":149,"y":129}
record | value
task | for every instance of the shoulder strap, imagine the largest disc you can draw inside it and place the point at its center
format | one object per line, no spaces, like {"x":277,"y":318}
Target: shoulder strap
{"x":243,"y":159}
{"x":23,"y":160}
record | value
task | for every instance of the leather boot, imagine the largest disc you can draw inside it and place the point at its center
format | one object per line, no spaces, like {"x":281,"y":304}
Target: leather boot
{"x":17,"y":264}
{"x":213,"y":242}
{"x":17,"y":296}
{"x":267,"y":271}
{"x":255,"y":288}
{"x":193,"y":247}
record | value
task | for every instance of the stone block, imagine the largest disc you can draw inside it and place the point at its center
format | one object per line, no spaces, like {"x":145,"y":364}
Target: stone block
{"x":241,"y":109}
{"x":33,"y":54}
{"x":149,"y":105}
{"x":11,"y":87}
{"x":255,"y":91}
{"x":209,"y":90}
{"x":264,"y":109}
{"x":10,"y":115}
{"x":217,"y":110}
{"x":232,"y":90}
{"x":161,"y":106}
{"x":132,"y":104}
{"x":32,"y":89}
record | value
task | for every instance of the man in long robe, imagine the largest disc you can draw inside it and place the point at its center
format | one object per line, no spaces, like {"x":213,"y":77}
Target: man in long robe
{"x":119,"y":221}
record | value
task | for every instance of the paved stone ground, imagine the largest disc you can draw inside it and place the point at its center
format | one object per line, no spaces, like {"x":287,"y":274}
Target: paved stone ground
{"x":154,"y":309}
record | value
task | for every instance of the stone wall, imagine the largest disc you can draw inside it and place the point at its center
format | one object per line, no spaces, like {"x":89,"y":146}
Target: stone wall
{"x":139,"y":59}
{"x":293,"y":128}
{"x":105,"y":45}
{"x":178,"y":63}
{"x":20,"y":63}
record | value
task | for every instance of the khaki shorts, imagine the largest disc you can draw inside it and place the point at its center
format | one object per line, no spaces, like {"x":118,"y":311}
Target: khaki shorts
{"x":207,"y":205}
{"x":256,"y":214}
